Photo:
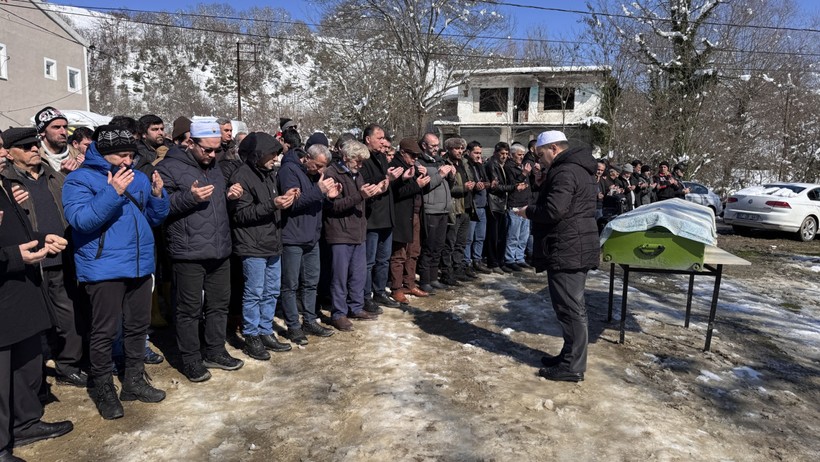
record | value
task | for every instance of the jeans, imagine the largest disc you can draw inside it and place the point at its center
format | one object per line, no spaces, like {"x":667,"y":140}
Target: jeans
{"x":518,"y":233}
{"x":191,"y":278}
{"x":379,"y":248}
{"x":262,"y":283}
{"x":299,"y":262}
{"x":476,"y":233}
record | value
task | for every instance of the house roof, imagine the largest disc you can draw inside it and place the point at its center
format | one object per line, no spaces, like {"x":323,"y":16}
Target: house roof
{"x":535,"y":70}
{"x":60,"y":22}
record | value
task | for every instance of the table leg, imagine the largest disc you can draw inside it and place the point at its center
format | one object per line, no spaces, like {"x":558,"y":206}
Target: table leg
{"x":623,"y":302}
{"x":689,"y":299}
{"x":713,"y":309}
{"x":611,"y":291}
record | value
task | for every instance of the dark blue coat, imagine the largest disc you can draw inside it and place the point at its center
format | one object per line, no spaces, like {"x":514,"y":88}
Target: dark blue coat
{"x":302,"y":222}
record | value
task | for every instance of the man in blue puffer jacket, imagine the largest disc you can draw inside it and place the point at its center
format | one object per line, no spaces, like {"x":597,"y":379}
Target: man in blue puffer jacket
{"x":111,"y":209}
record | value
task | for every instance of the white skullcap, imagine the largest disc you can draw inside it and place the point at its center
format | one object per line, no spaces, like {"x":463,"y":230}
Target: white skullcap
{"x":205,"y":130}
{"x":549,"y":137}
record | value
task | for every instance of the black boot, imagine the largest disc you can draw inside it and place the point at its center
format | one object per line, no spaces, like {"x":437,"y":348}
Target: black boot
{"x":136,"y":387}
{"x":104,"y":395}
{"x":255,"y":349}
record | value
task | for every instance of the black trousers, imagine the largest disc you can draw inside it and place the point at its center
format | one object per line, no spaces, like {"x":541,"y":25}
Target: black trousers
{"x":125,"y":302}
{"x":432,"y":244}
{"x":495,"y":243}
{"x":20,"y":378}
{"x":567,"y":295}
{"x":65,"y":340}
{"x":452,"y":257}
{"x":191,"y":278}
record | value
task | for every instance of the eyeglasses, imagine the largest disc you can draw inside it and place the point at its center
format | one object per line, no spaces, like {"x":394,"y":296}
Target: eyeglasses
{"x":207,"y":150}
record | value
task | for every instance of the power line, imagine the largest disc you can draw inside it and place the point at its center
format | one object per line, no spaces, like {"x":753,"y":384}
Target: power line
{"x":647,"y":18}
{"x":483,"y":37}
{"x":524,"y":61}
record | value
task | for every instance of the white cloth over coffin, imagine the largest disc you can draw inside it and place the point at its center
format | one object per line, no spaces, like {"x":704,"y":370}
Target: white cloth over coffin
{"x":681,"y":218}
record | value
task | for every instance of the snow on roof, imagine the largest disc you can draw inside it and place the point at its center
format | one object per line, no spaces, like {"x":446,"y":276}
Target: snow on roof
{"x":80,"y":18}
{"x":535,"y":70}
{"x":47,"y":8}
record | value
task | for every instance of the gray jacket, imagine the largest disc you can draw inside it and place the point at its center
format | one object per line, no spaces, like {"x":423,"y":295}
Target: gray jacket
{"x":437,"y":197}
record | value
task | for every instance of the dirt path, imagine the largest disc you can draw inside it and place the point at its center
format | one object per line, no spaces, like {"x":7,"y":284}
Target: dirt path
{"x":455,"y":378}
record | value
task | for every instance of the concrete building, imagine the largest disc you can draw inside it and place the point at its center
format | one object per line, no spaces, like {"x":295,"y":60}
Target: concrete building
{"x":516,"y":104}
{"x":43,"y":62}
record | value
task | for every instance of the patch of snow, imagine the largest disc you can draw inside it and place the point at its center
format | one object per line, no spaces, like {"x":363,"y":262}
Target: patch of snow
{"x":708,"y":376}
{"x":746,"y":372}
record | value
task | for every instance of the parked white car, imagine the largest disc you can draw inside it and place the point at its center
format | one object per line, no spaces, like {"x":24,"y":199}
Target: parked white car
{"x":702,"y":195}
{"x":790,"y":207}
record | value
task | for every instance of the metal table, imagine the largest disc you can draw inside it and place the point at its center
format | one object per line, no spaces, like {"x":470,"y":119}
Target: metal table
{"x":713,"y":261}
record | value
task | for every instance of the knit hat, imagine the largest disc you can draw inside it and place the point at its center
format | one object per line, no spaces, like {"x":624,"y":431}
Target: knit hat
{"x":410,"y":145}
{"x":205,"y":130}
{"x":46,"y":116}
{"x":19,"y":136}
{"x":627,"y":168}
{"x":550,"y":137}
{"x":317,"y":138}
{"x":182,"y":124}
{"x":111,"y":139}
{"x":257,"y":145}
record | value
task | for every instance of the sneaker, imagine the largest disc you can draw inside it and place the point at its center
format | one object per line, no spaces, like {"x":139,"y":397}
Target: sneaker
{"x":297,"y":336}
{"x":253,"y":347}
{"x":316,"y":329}
{"x":104,"y":395}
{"x":76,"y":379}
{"x":272,"y":343}
{"x":196,"y":371}
{"x":152,"y":357}
{"x":384,"y":300}
{"x":371,"y":307}
{"x":137,"y":387}
{"x":222,"y":361}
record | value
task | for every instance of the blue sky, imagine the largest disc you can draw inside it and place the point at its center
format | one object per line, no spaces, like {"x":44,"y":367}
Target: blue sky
{"x":560,"y":25}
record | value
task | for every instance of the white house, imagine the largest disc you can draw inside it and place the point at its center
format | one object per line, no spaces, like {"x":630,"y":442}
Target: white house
{"x":515,"y":104}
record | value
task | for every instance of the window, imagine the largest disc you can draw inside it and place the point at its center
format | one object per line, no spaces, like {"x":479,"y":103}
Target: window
{"x":74,"y":81}
{"x":4,"y":62}
{"x":814,"y":194}
{"x":492,"y":100}
{"x":559,"y":98}
{"x":50,"y":68}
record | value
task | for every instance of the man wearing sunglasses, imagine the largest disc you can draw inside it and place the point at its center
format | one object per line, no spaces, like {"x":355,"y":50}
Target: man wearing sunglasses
{"x":199,"y":244}
{"x":38,"y":189}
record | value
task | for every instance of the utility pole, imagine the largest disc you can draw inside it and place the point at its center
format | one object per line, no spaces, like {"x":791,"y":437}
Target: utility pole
{"x":239,"y":52}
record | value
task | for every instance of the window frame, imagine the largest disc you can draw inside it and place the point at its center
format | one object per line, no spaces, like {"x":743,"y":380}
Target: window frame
{"x":4,"y":61}
{"x":559,"y":92}
{"x":79,"y":88}
{"x":497,"y":100}
{"x":53,"y":75}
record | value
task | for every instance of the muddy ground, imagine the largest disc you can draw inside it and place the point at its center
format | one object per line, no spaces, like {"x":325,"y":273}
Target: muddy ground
{"x":454,"y":378}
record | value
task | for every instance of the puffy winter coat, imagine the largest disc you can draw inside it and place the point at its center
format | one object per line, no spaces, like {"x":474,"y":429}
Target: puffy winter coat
{"x":196,"y":230}
{"x":564,"y":229}
{"x":111,"y":233}
{"x":255,"y":220}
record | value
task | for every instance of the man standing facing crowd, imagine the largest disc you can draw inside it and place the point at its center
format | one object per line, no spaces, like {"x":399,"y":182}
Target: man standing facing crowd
{"x":566,"y":245}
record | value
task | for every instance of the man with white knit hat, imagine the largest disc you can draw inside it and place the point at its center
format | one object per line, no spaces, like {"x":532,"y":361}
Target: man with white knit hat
{"x":565,"y":245}
{"x":199,"y":244}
